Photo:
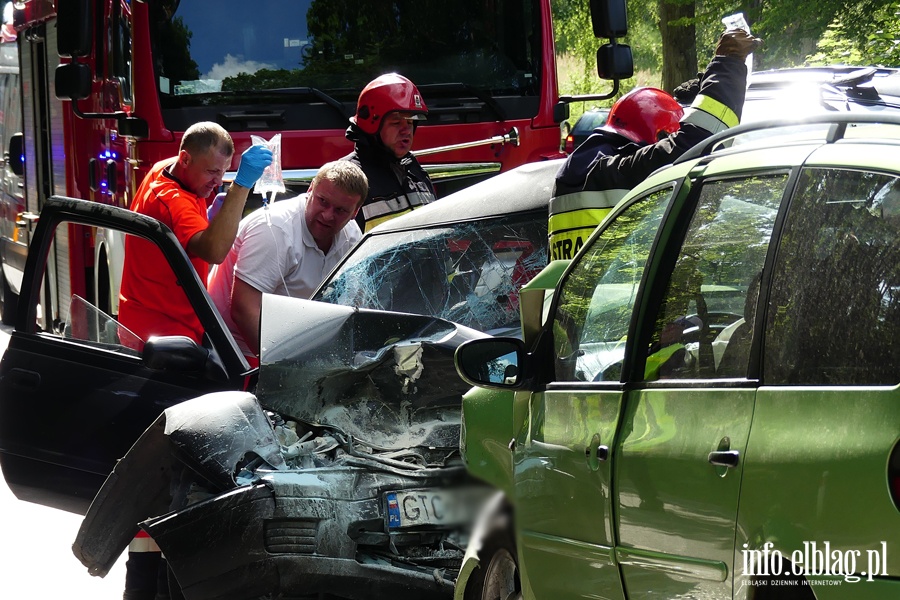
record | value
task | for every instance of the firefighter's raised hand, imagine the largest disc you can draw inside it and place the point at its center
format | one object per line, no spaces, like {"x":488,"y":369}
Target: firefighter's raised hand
{"x":254,"y":161}
{"x":737,"y":43}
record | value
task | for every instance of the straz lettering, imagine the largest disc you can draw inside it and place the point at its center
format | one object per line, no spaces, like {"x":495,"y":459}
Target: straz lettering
{"x":564,"y":249}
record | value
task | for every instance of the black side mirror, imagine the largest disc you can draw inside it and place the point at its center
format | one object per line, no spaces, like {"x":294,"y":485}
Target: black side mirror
{"x":134,"y":127}
{"x":73,"y":81}
{"x":73,"y":28}
{"x":174,"y":353}
{"x":560,"y":112}
{"x":492,"y":363}
{"x":614,"y":61}
{"x":16,"y":154}
{"x":609,"y":18}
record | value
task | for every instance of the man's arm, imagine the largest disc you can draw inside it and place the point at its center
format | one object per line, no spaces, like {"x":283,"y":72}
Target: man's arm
{"x":246,"y":303}
{"x":213,"y":244}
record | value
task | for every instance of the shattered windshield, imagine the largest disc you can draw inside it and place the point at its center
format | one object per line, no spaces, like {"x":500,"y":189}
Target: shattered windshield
{"x":468,"y":273}
{"x":204,"y":51}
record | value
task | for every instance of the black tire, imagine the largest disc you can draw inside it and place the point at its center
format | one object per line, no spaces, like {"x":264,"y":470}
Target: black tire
{"x":9,"y":303}
{"x":497,"y":577}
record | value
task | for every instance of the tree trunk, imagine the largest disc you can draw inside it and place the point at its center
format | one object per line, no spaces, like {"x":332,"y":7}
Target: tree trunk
{"x":679,"y":42}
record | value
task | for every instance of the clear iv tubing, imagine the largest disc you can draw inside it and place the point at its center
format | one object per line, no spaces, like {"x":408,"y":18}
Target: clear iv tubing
{"x":266,"y":204}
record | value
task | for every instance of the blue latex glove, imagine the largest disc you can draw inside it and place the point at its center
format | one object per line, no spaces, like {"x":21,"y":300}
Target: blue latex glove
{"x":254,"y":161}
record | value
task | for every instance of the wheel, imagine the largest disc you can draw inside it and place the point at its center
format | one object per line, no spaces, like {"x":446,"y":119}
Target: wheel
{"x":9,"y":302}
{"x":497,"y":578}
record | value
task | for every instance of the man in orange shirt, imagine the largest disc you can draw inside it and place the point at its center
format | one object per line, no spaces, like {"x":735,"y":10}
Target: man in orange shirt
{"x":175,"y":192}
{"x":151,"y":300}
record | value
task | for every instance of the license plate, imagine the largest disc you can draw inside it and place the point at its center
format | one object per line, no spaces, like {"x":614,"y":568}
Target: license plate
{"x":411,"y":508}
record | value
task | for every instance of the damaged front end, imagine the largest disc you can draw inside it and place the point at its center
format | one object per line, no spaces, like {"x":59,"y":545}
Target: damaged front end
{"x":348,"y":483}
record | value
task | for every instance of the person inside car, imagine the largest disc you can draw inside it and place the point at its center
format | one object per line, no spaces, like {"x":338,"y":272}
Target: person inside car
{"x":646,"y":129}
{"x":288,"y":248}
{"x":382,"y":131}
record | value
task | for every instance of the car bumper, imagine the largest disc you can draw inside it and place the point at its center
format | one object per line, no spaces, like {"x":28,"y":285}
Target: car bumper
{"x":295,"y":534}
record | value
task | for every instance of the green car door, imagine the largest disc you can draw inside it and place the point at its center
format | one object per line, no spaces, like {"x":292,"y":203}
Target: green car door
{"x":562,"y":466}
{"x":687,"y":415}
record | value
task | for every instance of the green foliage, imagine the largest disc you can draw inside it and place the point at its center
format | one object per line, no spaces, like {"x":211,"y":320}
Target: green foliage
{"x":863,"y":34}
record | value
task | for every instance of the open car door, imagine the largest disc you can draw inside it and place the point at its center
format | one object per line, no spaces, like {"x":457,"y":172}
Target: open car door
{"x":75,"y":393}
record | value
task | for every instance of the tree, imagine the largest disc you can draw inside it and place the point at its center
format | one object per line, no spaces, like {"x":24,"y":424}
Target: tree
{"x":679,"y":41}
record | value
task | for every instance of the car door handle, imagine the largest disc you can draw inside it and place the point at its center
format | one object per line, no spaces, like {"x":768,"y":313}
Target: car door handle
{"x":725,"y":458}
{"x":24,"y":379}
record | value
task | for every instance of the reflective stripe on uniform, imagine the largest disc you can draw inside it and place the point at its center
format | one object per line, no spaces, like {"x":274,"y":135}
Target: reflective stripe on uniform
{"x":587,"y":218}
{"x":710,"y":114}
{"x":382,"y":210}
{"x":585,"y":199}
{"x":142,"y":542}
{"x":370,"y":223}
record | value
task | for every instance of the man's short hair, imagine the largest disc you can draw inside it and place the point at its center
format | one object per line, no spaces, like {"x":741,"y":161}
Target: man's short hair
{"x":200,"y":137}
{"x":345,"y":175}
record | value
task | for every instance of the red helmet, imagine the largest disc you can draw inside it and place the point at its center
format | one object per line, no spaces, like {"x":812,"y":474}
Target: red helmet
{"x":386,"y":94}
{"x":643,"y":114}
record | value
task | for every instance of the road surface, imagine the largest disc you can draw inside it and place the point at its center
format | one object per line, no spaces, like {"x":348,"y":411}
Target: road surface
{"x":36,"y":559}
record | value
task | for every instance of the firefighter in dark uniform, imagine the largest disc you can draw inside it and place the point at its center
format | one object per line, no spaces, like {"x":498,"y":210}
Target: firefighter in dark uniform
{"x":382,"y":131}
{"x":645,"y":130}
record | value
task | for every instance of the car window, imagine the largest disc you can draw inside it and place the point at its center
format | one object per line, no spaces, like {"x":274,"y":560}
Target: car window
{"x":589,"y":121}
{"x":88,"y":324}
{"x":834,"y":314}
{"x":596,"y":300}
{"x":468,"y":273}
{"x":704,"y":325}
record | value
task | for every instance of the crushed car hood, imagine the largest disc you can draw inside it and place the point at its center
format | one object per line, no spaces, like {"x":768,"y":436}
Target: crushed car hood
{"x":386,"y":379}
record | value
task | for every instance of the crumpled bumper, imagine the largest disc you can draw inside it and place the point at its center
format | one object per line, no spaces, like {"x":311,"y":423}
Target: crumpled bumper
{"x":295,"y":534}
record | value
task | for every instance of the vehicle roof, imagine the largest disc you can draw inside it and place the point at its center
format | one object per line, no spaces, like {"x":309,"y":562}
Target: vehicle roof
{"x":524,"y":188}
{"x":804,"y":90}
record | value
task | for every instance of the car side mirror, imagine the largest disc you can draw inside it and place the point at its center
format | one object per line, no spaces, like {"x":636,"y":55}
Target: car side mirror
{"x":181,"y":354}
{"x":609,"y":18}
{"x":614,"y":61}
{"x":16,"y":154}
{"x":72,"y":81}
{"x":73,"y":28}
{"x":492,"y":362}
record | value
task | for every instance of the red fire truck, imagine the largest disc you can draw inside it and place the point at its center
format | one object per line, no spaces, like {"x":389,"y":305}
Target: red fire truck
{"x":108,"y":87}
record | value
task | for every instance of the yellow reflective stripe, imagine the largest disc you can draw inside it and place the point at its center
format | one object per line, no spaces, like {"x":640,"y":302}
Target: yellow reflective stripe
{"x":586,"y":199}
{"x":379,"y":220}
{"x":579,"y":219}
{"x":710,"y":114}
{"x":656,"y":360}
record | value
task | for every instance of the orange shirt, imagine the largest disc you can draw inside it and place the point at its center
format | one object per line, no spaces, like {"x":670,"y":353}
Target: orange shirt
{"x":152,"y":301}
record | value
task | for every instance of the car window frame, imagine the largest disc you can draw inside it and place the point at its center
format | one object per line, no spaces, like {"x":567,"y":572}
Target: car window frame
{"x":61,"y":211}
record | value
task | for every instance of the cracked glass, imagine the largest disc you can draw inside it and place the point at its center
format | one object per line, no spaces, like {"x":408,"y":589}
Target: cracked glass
{"x":468,"y":273}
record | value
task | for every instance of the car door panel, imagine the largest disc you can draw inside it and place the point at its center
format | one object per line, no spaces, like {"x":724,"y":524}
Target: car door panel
{"x":562,"y":468}
{"x":70,"y":407}
{"x":675,"y":510}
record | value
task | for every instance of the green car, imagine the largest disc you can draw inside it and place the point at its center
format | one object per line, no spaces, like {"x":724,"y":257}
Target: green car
{"x":705,"y":404}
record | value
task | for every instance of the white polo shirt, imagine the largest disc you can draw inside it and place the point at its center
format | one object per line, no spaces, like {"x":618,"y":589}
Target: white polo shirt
{"x":277,"y":255}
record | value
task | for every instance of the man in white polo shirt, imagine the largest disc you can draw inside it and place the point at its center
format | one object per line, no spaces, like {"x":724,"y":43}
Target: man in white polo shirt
{"x":288,"y":248}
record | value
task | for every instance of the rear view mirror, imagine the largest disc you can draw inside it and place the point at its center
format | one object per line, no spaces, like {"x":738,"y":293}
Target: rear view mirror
{"x":609,"y":18}
{"x":73,"y":81}
{"x":16,"y":154}
{"x":614,"y":61}
{"x":73,"y":28}
{"x":491,"y":363}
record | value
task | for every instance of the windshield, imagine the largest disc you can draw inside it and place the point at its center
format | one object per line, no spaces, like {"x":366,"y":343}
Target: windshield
{"x":468,"y":273}
{"x":337,"y":46}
